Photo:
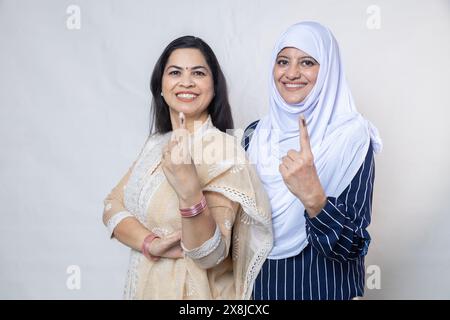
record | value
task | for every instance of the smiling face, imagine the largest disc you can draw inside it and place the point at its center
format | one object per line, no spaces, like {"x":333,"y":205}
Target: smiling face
{"x":295,"y":74}
{"x":187,"y":83}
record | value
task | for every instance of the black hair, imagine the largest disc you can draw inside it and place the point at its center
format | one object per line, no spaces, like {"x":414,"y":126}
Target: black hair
{"x":219,"y":107}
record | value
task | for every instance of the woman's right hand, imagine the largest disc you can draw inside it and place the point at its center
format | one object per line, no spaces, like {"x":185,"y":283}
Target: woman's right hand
{"x":167,"y":247}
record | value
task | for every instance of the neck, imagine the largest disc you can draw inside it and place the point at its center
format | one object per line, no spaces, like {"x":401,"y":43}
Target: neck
{"x":190,"y":121}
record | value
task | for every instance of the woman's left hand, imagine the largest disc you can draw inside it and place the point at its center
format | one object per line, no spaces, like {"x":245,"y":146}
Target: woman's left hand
{"x":300,"y":175}
{"x":179,"y":168}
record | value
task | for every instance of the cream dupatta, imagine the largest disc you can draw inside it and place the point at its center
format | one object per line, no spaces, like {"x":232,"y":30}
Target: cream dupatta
{"x":223,"y":169}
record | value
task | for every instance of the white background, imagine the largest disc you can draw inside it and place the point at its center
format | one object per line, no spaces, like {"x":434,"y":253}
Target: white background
{"x":74,"y":113}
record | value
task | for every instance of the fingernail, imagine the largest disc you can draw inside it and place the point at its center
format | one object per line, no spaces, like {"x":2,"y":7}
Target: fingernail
{"x":181,"y":115}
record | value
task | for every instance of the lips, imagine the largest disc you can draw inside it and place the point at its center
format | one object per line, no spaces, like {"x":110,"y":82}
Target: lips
{"x":186,"y":96}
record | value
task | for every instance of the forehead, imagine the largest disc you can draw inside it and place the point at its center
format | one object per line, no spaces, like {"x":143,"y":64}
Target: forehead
{"x":187,"y":57}
{"x":292,"y":52}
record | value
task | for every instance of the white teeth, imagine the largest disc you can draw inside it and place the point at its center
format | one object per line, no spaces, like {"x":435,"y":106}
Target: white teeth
{"x":294,"y":85}
{"x":186,"y":95}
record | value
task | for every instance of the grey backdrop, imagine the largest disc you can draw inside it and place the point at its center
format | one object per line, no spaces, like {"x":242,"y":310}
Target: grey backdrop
{"x":74,"y":107}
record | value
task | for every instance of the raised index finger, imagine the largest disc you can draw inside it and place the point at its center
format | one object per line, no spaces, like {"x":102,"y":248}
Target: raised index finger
{"x":304,"y":136}
{"x":179,"y":133}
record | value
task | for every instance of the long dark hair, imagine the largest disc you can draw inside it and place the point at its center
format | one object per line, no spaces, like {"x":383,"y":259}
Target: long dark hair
{"x":219,"y":107}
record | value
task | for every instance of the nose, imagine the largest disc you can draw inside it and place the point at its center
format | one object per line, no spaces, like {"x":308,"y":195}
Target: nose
{"x":293,"y":72}
{"x":186,"y":81}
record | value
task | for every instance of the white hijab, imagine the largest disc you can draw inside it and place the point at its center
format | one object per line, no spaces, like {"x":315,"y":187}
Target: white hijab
{"x":339,"y":135}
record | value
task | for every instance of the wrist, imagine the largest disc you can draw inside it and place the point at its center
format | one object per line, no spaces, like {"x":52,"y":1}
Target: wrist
{"x":188,"y":200}
{"x":315,"y":205}
{"x":192,"y":211}
{"x":145,"y":248}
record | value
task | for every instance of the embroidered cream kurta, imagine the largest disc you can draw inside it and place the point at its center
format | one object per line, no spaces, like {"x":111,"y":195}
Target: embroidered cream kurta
{"x":244,"y":220}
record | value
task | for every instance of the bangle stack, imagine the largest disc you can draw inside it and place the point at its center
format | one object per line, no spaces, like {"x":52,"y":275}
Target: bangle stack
{"x":194,"y":210}
{"x":145,"y":246}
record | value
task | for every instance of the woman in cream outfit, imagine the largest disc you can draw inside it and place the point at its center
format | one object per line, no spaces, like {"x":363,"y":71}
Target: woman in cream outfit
{"x":217,"y":253}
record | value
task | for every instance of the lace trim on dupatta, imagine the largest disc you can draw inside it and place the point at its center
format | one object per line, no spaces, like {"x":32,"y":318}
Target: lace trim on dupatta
{"x":138,"y":193}
{"x":251,"y":215}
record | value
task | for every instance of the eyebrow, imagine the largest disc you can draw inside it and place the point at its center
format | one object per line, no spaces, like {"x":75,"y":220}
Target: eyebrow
{"x":302,"y":57}
{"x":180,"y":68}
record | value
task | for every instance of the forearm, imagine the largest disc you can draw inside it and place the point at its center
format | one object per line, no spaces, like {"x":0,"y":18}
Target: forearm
{"x":339,"y":229}
{"x":334,"y":233}
{"x":210,"y":253}
{"x":215,"y":248}
{"x":198,"y":229}
{"x":131,"y":233}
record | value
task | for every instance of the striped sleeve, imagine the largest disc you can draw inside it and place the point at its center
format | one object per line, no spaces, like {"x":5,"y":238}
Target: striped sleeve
{"x":248,"y":133}
{"x":339,"y":230}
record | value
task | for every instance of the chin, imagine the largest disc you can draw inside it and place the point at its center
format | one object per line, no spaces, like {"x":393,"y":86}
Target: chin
{"x":186,"y":110}
{"x":294,"y":100}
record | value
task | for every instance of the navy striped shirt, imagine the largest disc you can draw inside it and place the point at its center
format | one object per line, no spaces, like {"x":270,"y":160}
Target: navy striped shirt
{"x":332,"y":264}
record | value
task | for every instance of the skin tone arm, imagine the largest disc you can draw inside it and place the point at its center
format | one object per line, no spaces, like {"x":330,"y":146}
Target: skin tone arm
{"x":198,"y":229}
{"x":182,"y":175}
{"x":132,"y":233}
{"x":300,"y":174}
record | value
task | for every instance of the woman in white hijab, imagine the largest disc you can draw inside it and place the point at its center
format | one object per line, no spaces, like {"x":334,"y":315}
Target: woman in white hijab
{"x":314,"y":154}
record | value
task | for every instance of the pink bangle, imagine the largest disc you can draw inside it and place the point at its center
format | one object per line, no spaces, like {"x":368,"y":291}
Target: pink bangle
{"x":194,"y":210}
{"x":144,"y":249}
